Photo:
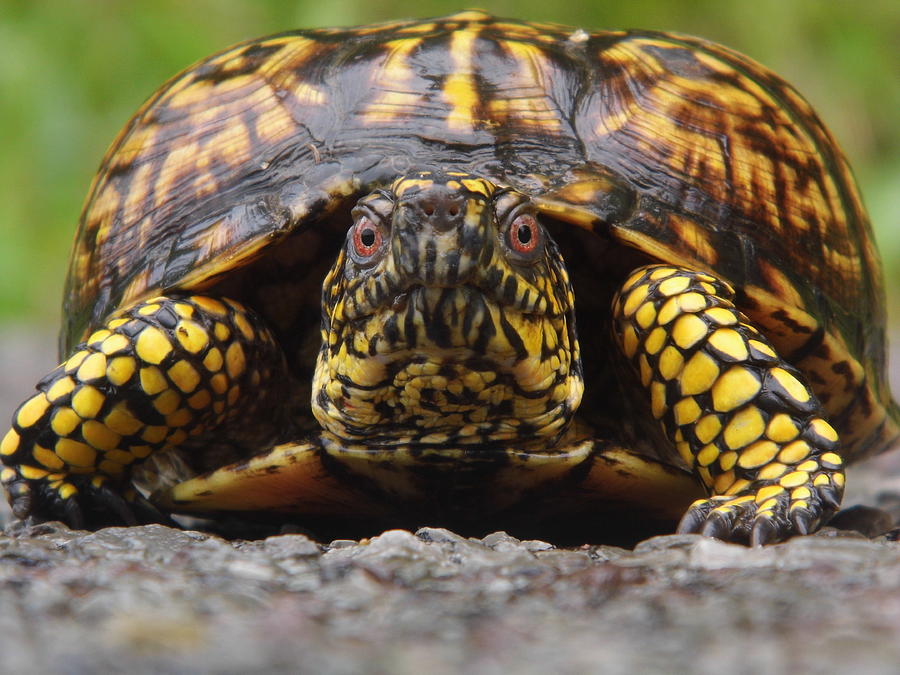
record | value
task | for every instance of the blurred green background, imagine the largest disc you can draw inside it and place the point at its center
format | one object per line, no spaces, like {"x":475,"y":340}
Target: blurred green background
{"x":72,"y":72}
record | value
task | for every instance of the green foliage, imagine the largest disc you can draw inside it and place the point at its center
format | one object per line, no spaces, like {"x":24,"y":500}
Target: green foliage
{"x":72,"y":72}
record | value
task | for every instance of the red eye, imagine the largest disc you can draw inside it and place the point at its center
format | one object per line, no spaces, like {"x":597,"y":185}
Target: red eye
{"x":367,"y":238}
{"x":524,"y":234}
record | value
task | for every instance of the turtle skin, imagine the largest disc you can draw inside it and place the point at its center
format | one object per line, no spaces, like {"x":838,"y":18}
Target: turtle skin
{"x":662,"y":176}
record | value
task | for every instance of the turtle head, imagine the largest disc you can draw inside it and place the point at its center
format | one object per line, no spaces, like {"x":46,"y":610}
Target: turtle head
{"x":448,"y":317}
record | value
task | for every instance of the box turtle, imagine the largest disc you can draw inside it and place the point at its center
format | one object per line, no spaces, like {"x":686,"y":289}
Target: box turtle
{"x":337,"y":273}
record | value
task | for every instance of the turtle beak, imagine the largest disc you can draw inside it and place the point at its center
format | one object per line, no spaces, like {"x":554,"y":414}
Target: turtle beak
{"x":439,"y":236}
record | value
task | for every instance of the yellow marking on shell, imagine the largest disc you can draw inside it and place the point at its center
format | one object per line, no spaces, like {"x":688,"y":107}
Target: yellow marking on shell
{"x":184,"y":310}
{"x":117,"y":323}
{"x":60,"y":388}
{"x":141,"y":451}
{"x":824,"y":429}
{"x":660,"y":273}
{"x":184,"y":376}
{"x":808,"y":466}
{"x":734,"y":388}
{"x":832,"y":458}
{"x":723,"y":481}
{"x":64,"y":421}
{"x":744,"y":427}
{"x":167,"y":402}
{"x":708,"y":455}
{"x":235,"y":361}
{"x":460,"y":90}
{"x":838,"y":479}
{"x":152,"y":380}
{"x":87,"y":401}
{"x":708,"y":428}
{"x":729,"y":342}
{"x":655,"y":340}
{"x":766,"y":506}
{"x":114,"y":343}
{"x":781,"y":428}
{"x":721,"y":315}
{"x":10,"y":443}
{"x":99,"y":435}
{"x":209,"y":305}
{"x":645,"y":370}
{"x":219,"y":383}
{"x":629,"y":340}
{"x":177,"y":437}
{"x":658,"y":399}
{"x":684,"y":450}
{"x":244,"y":326}
{"x":154,"y":434}
{"x":75,"y":453}
{"x":213,"y":360}
{"x":222,"y":332}
{"x":66,"y":491}
{"x":634,"y":300}
{"x":75,"y":360}
{"x":32,"y":410}
{"x":727,"y":460}
{"x":669,"y":311}
{"x":233,"y":395}
{"x":686,"y":412}
{"x":771,"y":471}
{"x":179,"y":418}
{"x":673,"y":286}
{"x":802,"y":492}
{"x":758,"y":454}
{"x":690,"y":302}
{"x":762,"y":347}
{"x":92,"y":368}
{"x":645,"y":315}
{"x":122,"y":421}
{"x":47,"y":458}
{"x":768,"y":492}
{"x":794,"y":479}
{"x":152,"y":346}
{"x":200,"y":400}
{"x":120,"y":370}
{"x":191,"y":336}
{"x":689,"y":330}
{"x":698,"y":375}
{"x":98,"y":336}
{"x":32,"y":472}
{"x":794,"y":453}
{"x":670,"y":362}
{"x":149,"y":310}
{"x":636,"y":276}
{"x":791,"y":384}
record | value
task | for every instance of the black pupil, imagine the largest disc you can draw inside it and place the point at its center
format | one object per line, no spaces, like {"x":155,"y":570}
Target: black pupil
{"x":367,"y":237}
{"x":523,"y":234}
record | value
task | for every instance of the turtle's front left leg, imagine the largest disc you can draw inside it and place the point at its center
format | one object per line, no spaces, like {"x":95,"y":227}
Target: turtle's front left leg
{"x":168,"y":372}
{"x":743,"y":419}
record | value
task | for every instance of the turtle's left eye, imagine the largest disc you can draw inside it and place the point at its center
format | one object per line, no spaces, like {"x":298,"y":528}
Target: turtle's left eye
{"x":524,"y":236}
{"x":366,"y":239}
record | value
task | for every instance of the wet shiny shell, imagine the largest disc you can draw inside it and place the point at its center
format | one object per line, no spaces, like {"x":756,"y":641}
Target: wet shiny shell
{"x":680,"y":148}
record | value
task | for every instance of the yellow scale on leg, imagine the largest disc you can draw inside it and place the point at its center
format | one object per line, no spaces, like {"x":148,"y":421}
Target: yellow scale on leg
{"x":737,"y":414}
{"x":159,"y":373}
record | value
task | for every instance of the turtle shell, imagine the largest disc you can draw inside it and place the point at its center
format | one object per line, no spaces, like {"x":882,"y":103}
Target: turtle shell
{"x":679,"y":148}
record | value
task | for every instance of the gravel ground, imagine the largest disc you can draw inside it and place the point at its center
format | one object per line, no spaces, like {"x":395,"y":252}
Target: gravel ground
{"x":158,"y":600}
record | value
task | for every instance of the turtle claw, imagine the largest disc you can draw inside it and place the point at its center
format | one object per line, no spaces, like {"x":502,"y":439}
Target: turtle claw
{"x":764,"y":532}
{"x":81,"y":502}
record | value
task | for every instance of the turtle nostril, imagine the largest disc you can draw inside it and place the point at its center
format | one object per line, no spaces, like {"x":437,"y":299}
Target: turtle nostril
{"x":454,"y":210}
{"x":428,"y":208}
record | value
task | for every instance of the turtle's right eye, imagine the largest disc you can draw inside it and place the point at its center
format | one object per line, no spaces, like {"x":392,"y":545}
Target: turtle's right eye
{"x":366,"y":240}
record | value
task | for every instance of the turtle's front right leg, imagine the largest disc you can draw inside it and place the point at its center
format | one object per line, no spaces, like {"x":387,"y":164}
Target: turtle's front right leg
{"x":167,"y":371}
